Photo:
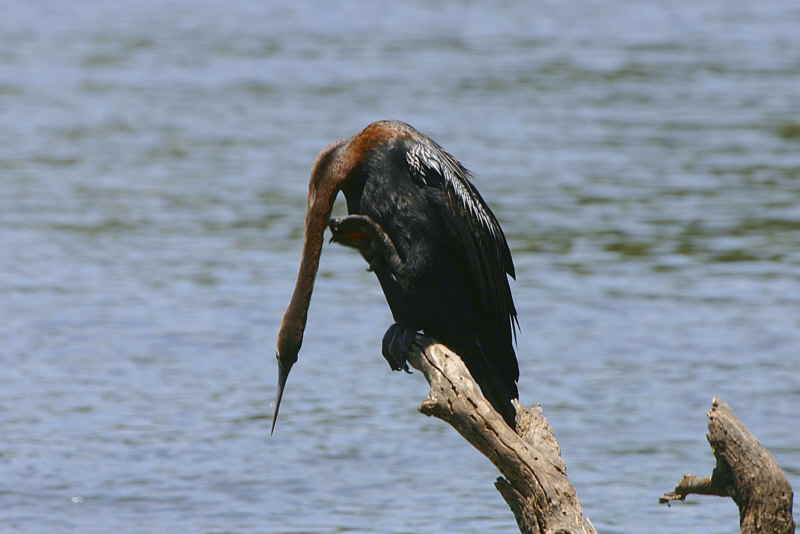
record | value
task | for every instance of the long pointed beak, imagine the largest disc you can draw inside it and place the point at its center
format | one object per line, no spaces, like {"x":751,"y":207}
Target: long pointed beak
{"x":283,"y":374}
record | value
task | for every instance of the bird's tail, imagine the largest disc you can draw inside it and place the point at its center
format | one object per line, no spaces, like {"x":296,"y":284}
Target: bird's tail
{"x":498,"y":389}
{"x":500,"y":396}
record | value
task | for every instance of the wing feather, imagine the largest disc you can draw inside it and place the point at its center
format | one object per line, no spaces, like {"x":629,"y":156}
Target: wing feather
{"x":475,"y":229}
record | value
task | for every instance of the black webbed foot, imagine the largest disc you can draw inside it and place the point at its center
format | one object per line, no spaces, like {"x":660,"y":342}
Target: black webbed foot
{"x":396,"y":345}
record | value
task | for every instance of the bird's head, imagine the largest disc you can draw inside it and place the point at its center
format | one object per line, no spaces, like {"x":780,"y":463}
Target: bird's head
{"x":289,"y":342}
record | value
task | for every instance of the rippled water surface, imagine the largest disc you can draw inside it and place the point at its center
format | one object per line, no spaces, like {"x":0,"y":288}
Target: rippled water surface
{"x":644,"y":159}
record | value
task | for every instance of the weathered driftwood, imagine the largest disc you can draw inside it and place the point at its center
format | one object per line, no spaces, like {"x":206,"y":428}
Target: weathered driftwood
{"x":746,"y":472}
{"x":534,"y":482}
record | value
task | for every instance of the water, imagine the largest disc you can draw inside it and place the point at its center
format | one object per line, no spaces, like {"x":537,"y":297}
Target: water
{"x":644,"y":159}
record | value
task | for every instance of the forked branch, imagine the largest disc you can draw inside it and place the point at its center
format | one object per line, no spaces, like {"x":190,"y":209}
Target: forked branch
{"x":535,"y":484}
{"x":746,"y":472}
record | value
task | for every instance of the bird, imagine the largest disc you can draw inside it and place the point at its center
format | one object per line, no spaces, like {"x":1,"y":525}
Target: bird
{"x":437,"y":249}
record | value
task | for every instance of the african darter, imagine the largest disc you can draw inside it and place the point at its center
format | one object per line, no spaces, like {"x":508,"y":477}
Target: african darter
{"x":437,"y":249}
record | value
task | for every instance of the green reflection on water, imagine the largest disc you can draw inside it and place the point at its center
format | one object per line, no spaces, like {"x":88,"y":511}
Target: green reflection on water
{"x":789,"y":130}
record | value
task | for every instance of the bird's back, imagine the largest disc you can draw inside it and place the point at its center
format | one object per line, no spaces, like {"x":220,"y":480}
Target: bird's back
{"x":449,"y":238}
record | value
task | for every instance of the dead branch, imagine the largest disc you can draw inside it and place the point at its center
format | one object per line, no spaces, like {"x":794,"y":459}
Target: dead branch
{"x":746,"y":472}
{"x":534,"y":481}
{"x":535,"y":484}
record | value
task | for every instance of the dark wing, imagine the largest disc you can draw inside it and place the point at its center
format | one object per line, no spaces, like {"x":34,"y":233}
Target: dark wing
{"x":475,"y":228}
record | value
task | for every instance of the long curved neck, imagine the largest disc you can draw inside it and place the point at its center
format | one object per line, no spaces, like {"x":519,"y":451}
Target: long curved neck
{"x":317,"y":215}
{"x":326,"y":179}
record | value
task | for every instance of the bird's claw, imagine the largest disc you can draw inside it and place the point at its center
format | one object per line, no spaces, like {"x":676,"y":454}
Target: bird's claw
{"x":355,"y":231}
{"x":397,"y":343}
{"x":358,"y":232}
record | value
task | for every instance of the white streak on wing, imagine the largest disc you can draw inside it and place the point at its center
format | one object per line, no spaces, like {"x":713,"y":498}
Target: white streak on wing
{"x":420,"y":157}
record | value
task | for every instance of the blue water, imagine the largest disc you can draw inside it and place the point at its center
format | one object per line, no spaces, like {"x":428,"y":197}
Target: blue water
{"x":644,"y":159}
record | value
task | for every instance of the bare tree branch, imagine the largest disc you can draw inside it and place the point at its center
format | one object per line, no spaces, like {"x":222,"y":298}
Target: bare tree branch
{"x":534,"y":482}
{"x":746,"y":472}
{"x":691,"y":484}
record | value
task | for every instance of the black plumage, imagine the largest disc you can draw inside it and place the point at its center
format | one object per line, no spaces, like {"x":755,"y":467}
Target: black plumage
{"x":437,"y":249}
